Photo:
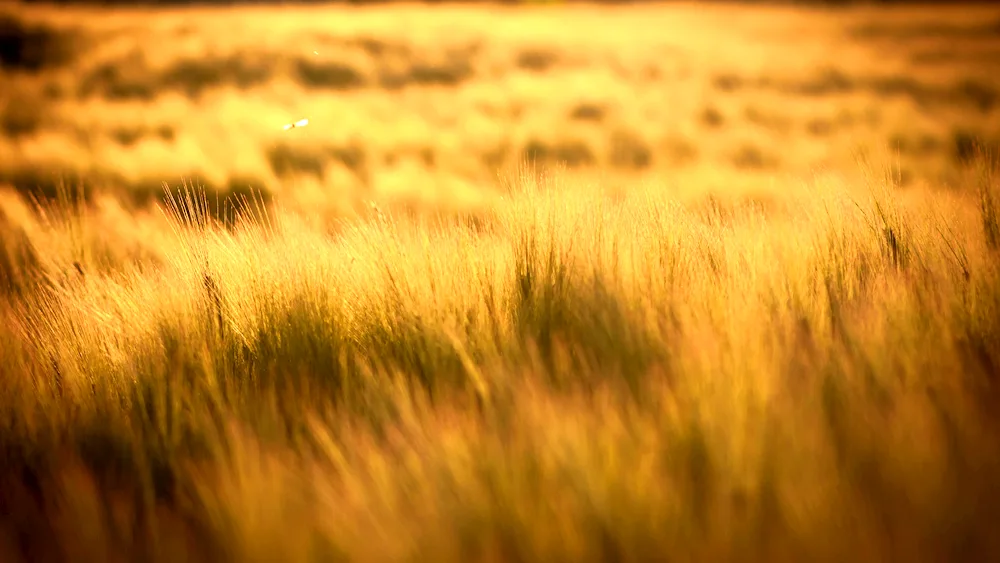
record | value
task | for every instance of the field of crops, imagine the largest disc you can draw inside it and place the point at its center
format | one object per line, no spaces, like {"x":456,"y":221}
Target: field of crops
{"x":681,"y":282}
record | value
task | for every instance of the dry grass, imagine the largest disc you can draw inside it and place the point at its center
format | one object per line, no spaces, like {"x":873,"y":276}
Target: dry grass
{"x":671,"y":349}
{"x":427,"y":104}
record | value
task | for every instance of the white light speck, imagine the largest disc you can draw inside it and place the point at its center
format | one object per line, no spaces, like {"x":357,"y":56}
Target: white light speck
{"x":299,"y":123}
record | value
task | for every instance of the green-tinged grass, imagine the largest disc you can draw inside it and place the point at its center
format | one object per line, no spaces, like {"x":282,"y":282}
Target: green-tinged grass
{"x":569,"y":377}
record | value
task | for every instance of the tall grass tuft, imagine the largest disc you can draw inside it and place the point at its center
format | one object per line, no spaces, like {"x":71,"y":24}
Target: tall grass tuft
{"x":989,"y":196}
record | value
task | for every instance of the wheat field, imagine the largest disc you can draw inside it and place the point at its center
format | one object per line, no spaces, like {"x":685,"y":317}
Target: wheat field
{"x":681,"y":282}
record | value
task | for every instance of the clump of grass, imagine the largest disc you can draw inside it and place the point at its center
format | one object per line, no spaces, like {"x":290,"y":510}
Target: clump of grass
{"x":728,"y":82}
{"x":32,"y":47}
{"x":989,"y":198}
{"x":195,"y":76}
{"x":588,"y":111}
{"x":19,"y":263}
{"x":288,"y":159}
{"x":819,"y":127}
{"x":537,"y":59}
{"x":132,"y":77}
{"x":449,"y":68}
{"x":562,"y":151}
{"x":335,"y":75}
{"x":119,"y":80}
{"x":712,"y":117}
{"x":751,"y":156}
{"x":890,"y":228}
{"x":629,"y":150}
{"x":21,"y":116}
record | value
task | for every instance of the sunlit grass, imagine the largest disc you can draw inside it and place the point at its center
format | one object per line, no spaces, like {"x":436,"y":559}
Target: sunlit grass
{"x":570,"y":376}
{"x":428,"y":102}
{"x":709,"y":336}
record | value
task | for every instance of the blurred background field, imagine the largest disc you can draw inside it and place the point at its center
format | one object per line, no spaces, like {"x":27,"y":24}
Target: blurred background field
{"x":426,"y":104}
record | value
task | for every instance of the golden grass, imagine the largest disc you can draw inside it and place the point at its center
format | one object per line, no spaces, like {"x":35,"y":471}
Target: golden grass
{"x":572,"y":376}
{"x":425,"y":104}
{"x":689,"y":344}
